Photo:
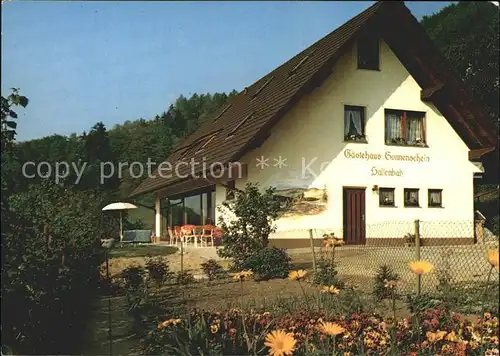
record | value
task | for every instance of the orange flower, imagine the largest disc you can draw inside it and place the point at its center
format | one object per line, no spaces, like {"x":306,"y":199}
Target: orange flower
{"x":421,"y":267}
{"x":297,"y":275}
{"x":493,"y":257}
{"x":330,"y":290}
{"x":214,"y":328}
{"x":452,"y":337}
{"x":242,"y":274}
{"x":437,"y":336}
{"x":331,"y":329}
{"x":169,"y":322}
{"x":333,"y":241}
{"x":280,"y":343}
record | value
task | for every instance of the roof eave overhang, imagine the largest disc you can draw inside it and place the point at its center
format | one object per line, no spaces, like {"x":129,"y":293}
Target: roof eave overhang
{"x":203,"y":179}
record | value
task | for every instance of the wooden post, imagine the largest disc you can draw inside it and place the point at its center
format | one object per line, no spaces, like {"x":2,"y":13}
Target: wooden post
{"x":109,"y":305}
{"x":417,"y":254}
{"x":46,"y":235}
{"x":182,"y":255}
{"x":158,"y":226}
{"x":311,"y":239}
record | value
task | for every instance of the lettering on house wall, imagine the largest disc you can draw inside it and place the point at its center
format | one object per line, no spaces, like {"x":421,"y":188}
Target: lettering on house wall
{"x":387,"y":172}
{"x":386,"y":156}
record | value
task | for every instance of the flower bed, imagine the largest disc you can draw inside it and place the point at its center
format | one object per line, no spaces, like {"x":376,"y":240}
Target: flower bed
{"x":434,"y":332}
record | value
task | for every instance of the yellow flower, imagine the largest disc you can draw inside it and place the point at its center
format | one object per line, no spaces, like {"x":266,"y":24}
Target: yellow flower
{"x":421,"y":267}
{"x":280,"y":343}
{"x":242,"y":274}
{"x":493,"y":257}
{"x":434,"y":337}
{"x":330,"y":290}
{"x":339,"y":242}
{"x":297,"y":275}
{"x":214,"y":328}
{"x":333,"y":241}
{"x":331,"y":328}
{"x":169,"y":322}
{"x":452,"y":337}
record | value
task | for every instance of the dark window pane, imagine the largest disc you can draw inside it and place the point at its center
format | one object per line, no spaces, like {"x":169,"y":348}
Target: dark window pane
{"x":386,"y":196}
{"x":192,"y":206}
{"x":354,"y":122}
{"x":212,"y":207}
{"x":411,"y":197}
{"x":404,"y":127}
{"x":435,"y":197}
{"x":231,"y":185}
{"x":368,"y":53}
{"x":176,"y":212}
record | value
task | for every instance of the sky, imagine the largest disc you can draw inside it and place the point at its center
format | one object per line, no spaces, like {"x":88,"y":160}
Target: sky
{"x":84,"y":62}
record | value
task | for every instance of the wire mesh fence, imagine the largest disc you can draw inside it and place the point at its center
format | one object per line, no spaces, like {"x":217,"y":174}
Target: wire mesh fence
{"x":458,"y":251}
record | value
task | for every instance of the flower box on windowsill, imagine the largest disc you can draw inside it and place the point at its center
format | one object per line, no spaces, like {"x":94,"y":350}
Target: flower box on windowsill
{"x":355,"y":138}
{"x":411,"y":205}
{"x":403,"y":142}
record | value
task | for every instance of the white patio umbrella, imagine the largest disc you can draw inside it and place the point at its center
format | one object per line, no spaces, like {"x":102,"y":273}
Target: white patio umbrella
{"x":119,"y":206}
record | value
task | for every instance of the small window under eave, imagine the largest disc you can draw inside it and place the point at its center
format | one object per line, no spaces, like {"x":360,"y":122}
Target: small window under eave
{"x":233,"y":131}
{"x":369,"y":52}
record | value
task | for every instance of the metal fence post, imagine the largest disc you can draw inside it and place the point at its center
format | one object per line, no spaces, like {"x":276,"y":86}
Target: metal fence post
{"x":311,"y":239}
{"x":417,"y":253}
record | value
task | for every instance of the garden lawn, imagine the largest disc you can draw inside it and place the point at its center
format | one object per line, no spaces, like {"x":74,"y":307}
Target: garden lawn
{"x":140,"y":250}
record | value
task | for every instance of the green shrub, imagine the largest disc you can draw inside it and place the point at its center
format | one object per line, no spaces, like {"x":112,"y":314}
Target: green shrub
{"x":326,"y":274}
{"x":213,"y":270}
{"x":419,"y":303}
{"x":184,"y":277}
{"x":384,"y":274}
{"x":133,"y":277}
{"x":268,"y":263}
{"x":248,"y":233}
{"x":158,"y":270}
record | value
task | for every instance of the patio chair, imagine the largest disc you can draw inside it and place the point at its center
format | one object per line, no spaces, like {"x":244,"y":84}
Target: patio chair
{"x":172,"y":238}
{"x":178,"y":235}
{"x":207,"y":233}
{"x":189,"y":233}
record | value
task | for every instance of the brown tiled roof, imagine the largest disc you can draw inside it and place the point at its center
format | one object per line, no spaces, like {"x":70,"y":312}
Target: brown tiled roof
{"x":257,"y":108}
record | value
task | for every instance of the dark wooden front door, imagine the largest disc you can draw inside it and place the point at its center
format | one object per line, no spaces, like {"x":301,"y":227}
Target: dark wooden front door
{"x":354,"y":216}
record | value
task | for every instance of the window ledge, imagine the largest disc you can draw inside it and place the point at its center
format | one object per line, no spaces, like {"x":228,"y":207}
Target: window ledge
{"x":355,"y":141}
{"x":412,"y":206}
{"x":405,"y":145}
{"x":387,"y":206}
{"x":436,"y":207}
{"x":370,"y":69}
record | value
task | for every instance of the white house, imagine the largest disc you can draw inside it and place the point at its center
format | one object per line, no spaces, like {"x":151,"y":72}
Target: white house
{"x":367,"y":130}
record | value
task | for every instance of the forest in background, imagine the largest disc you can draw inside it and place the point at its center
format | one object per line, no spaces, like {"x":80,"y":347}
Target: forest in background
{"x":50,"y":233}
{"x":466,"y":33}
